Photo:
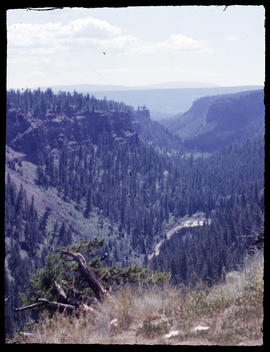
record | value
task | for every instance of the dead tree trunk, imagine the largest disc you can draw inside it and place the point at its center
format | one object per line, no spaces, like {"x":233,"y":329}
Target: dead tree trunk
{"x":88,"y":274}
{"x":64,"y":301}
{"x":78,"y":295}
{"x":60,"y":293}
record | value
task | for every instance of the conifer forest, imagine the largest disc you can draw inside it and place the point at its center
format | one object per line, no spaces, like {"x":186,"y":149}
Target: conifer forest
{"x":85,"y":170}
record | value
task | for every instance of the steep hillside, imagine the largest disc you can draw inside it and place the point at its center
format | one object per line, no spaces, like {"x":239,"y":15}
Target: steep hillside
{"x":215,"y":122}
{"x":230,"y":313}
{"x":153,"y":133}
{"x":79,"y":168}
{"x":40,"y":130}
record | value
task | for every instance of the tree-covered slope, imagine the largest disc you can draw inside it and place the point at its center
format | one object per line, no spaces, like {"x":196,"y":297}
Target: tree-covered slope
{"x":215,"y":122}
{"x":97,"y":168}
{"x":236,"y":176}
{"x":169,"y":100}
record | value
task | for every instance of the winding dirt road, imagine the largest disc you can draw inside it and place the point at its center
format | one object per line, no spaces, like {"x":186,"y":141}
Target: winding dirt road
{"x":197,"y":219}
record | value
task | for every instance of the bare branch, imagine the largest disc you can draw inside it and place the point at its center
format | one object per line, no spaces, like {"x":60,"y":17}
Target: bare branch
{"x":44,"y":302}
{"x":30,"y":306}
{"x":57,"y":306}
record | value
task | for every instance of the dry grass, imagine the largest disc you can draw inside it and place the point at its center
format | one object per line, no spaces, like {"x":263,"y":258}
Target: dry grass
{"x":230,"y":313}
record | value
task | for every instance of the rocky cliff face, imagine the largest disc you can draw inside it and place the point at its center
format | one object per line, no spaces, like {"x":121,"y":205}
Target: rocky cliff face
{"x":214,"y":122}
{"x":141,"y":120}
{"x":30,"y":135}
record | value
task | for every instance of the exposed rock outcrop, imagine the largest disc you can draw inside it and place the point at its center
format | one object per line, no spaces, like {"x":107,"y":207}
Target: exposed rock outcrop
{"x":29,"y":135}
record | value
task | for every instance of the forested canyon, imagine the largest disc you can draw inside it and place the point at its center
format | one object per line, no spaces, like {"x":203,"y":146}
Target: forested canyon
{"x":80,"y":168}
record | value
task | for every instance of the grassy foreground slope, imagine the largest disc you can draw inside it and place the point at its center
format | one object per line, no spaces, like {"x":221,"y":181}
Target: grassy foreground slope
{"x":229,"y":313}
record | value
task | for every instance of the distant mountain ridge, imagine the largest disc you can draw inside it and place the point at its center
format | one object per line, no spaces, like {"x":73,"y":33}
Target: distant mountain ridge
{"x":177,"y":85}
{"x":113,"y":87}
{"x":160,"y":99}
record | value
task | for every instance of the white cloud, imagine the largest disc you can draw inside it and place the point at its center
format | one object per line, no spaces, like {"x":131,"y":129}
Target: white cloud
{"x":131,"y":45}
{"x":72,"y":52}
{"x":49,"y":34}
{"x":83,"y":25}
{"x":124,"y":44}
{"x":27,"y":35}
{"x":232,"y":37}
{"x":94,"y":33}
{"x":180,"y":42}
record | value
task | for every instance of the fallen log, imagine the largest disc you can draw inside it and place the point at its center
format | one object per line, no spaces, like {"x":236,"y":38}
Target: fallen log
{"x":57,"y":306}
{"x":45,"y":303}
{"x":27,"y":334}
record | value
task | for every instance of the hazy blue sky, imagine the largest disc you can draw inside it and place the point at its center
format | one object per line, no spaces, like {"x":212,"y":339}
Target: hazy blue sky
{"x":136,"y":45}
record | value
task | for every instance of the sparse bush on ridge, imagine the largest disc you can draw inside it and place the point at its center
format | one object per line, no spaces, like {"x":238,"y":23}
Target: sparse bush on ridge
{"x":229,"y":313}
